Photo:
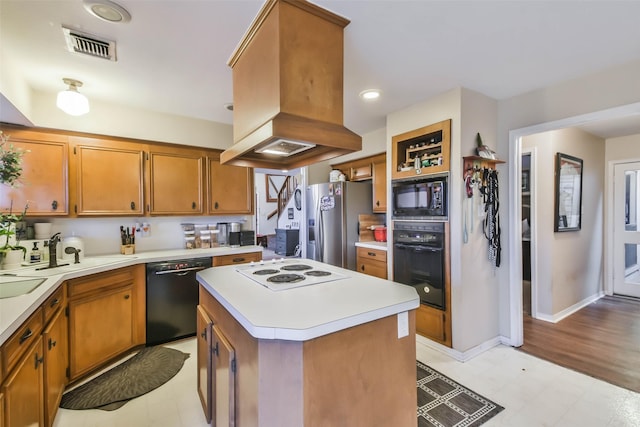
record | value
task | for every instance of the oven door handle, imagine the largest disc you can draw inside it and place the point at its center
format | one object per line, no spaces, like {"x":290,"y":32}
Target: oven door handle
{"x":417,"y":248}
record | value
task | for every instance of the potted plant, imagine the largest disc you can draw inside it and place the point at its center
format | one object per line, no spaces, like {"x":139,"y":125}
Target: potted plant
{"x":11,"y":252}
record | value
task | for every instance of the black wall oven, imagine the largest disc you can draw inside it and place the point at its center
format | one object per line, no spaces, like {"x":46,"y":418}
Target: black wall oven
{"x":420,"y":199}
{"x":418,"y":259}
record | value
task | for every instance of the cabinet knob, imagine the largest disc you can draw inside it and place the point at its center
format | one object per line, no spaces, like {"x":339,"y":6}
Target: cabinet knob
{"x":38,"y":360}
{"x":127,"y":296}
{"x":54,"y":205}
{"x":27,"y":334}
{"x":54,"y":302}
{"x":203,"y":334}
{"x":52,"y":343}
{"x":377,"y":202}
{"x":238,"y":260}
{"x":193,"y":205}
{"x":362,"y":267}
{"x":133,"y":206}
{"x":215,"y":205}
{"x":214,"y":350}
{"x":371,"y":253}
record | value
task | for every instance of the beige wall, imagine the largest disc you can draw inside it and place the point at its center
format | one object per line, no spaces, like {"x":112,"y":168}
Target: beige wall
{"x":623,"y":148}
{"x":570,"y":264}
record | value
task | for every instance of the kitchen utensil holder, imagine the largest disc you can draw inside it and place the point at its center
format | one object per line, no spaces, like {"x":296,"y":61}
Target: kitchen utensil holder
{"x":127,"y":249}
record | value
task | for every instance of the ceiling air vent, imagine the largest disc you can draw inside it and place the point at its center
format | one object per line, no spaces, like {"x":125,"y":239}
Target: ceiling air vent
{"x":87,"y":44}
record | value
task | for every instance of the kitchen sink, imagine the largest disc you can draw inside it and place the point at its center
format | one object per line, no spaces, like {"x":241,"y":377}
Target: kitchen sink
{"x":13,"y":286}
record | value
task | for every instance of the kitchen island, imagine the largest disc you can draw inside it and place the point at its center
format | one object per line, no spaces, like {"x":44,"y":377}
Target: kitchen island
{"x":339,"y":352}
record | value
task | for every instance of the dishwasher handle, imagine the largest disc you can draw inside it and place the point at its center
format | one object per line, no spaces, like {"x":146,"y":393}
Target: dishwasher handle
{"x":182,"y":270}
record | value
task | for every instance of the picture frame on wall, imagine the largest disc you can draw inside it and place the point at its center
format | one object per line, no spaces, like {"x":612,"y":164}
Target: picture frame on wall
{"x":568,"y":193}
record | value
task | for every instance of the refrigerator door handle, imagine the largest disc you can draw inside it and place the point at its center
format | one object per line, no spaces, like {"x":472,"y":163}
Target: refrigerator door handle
{"x":320,"y":239}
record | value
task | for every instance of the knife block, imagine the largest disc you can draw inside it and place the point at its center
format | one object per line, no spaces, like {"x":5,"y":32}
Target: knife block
{"x":127,"y":249}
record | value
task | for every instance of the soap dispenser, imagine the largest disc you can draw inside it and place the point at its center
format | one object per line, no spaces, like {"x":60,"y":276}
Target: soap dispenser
{"x":36,"y":255}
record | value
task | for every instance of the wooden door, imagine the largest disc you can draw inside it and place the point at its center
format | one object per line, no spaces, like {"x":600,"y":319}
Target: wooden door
{"x":23,"y":390}
{"x":108,"y":178}
{"x":230,"y":189}
{"x":56,"y":361}
{"x":205,"y":361}
{"x":176,"y":182}
{"x":380,"y":186}
{"x":43,"y":183}
{"x":100,"y":328}
{"x":224,"y":406}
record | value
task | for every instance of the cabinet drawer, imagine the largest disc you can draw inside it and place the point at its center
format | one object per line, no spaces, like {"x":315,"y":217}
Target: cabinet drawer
{"x":431,"y":323}
{"x":358,"y":173}
{"x":54,"y":302}
{"x":372,"y":254}
{"x":372,"y":268}
{"x":236,"y":259}
{"x":20,"y":341}
{"x":100,"y":281}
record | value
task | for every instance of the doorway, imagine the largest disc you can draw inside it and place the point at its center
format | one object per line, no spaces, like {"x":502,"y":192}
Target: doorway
{"x":526,"y":231}
{"x":626,"y":236}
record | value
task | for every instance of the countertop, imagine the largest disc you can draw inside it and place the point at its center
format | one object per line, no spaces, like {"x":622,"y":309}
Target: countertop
{"x":14,"y":311}
{"x":307,"y":312}
{"x":373,"y":245}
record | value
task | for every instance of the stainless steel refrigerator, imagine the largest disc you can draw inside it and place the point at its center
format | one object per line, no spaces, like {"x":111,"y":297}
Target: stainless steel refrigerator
{"x":332,"y":211}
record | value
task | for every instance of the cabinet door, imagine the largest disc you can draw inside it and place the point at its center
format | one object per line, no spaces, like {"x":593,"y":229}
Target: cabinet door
{"x":205,"y":361}
{"x":1,"y":408}
{"x":380,"y":187}
{"x":44,"y":175}
{"x":224,"y":408}
{"x":108,"y":178}
{"x":100,"y":328}
{"x":56,"y":361}
{"x":431,"y":323}
{"x":175,"y":183}
{"x":230,"y":189}
{"x":23,"y":390}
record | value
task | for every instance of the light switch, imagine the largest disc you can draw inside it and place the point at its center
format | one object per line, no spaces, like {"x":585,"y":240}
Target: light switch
{"x":403,"y":324}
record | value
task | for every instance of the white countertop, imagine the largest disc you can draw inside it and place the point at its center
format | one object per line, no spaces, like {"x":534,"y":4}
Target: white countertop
{"x":373,"y":245}
{"x":14,"y":311}
{"x":307,"y":312}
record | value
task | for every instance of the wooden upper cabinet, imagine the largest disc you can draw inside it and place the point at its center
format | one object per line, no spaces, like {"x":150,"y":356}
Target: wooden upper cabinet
{"x":107,"y":177}
{"x":43,"y":183}
{"x":230,"y":188}
{"x":430,"y":145}
{"x":176,"y":179}
{"x":380,"y":185}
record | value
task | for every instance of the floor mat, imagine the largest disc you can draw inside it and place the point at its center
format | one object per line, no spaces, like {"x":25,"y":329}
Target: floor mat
{"x":147,"y":370}
{"x":443,"y":402}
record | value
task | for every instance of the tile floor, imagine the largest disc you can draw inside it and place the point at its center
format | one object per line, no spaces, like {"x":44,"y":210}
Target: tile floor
{"x":534,"y":393}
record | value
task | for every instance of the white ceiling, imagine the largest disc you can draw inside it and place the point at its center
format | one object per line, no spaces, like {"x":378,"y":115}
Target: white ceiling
{"x":172,"y":55}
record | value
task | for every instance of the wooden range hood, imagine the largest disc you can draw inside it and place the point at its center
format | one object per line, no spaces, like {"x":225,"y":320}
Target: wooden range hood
{"x":288,"y":88}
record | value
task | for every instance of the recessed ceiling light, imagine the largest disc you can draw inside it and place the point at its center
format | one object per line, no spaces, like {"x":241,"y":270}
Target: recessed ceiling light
{"x":107,"y":11}
{"x":370,"y":94}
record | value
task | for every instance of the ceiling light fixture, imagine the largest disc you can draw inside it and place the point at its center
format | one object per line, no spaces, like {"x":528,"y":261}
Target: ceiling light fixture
{"x":107,"y":11}
{"x":71,"y":101}
{"x":370,"y":94}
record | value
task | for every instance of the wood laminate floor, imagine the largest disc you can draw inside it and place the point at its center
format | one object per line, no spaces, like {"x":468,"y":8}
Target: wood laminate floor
{"x":601,"y":340}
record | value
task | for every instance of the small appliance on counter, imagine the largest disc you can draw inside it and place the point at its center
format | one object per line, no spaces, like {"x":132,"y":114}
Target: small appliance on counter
{"x":247,"y":238}
{"x":234,"y":234}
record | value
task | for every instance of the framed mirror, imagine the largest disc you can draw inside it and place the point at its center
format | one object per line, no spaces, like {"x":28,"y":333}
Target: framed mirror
{"x":568,"y":200}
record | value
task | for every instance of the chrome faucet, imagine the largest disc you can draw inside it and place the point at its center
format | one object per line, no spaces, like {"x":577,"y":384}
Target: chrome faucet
{"x":53,"y":256}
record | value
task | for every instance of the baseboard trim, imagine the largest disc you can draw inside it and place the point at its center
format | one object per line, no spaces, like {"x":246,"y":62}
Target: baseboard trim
{"x":555,"y":318}
{"x":461,"y":356}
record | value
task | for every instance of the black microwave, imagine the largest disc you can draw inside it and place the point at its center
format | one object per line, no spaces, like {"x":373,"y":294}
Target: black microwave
{"x":424,"y":198}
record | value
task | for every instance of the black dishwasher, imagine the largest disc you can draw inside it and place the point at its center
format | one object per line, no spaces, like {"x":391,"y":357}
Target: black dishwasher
{"x":172,"y":298}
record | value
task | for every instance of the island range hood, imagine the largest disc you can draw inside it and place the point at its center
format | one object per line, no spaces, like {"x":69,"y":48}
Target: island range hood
{"x":288,"y":89}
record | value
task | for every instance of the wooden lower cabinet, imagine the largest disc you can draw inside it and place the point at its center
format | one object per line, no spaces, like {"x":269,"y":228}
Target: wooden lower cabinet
{"x":23,"y":389}
{"x":432,"y":323}
{"x":205,"y":361}
{"x":106,"y":317}
{"x":236,"y":259}
{"x":372,"y":262}
{"x":1,"y":407}
{"x":56,"y":362}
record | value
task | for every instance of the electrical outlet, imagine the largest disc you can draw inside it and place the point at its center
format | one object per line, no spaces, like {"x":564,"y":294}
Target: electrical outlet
{"x":403,"y":324}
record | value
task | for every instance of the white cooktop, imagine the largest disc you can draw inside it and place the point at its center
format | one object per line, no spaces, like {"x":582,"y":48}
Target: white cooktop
{"x":282,"y":274}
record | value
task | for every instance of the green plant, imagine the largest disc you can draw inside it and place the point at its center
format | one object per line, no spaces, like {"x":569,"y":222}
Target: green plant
{"x":8,"y":223}
{"x":10,"y":162}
